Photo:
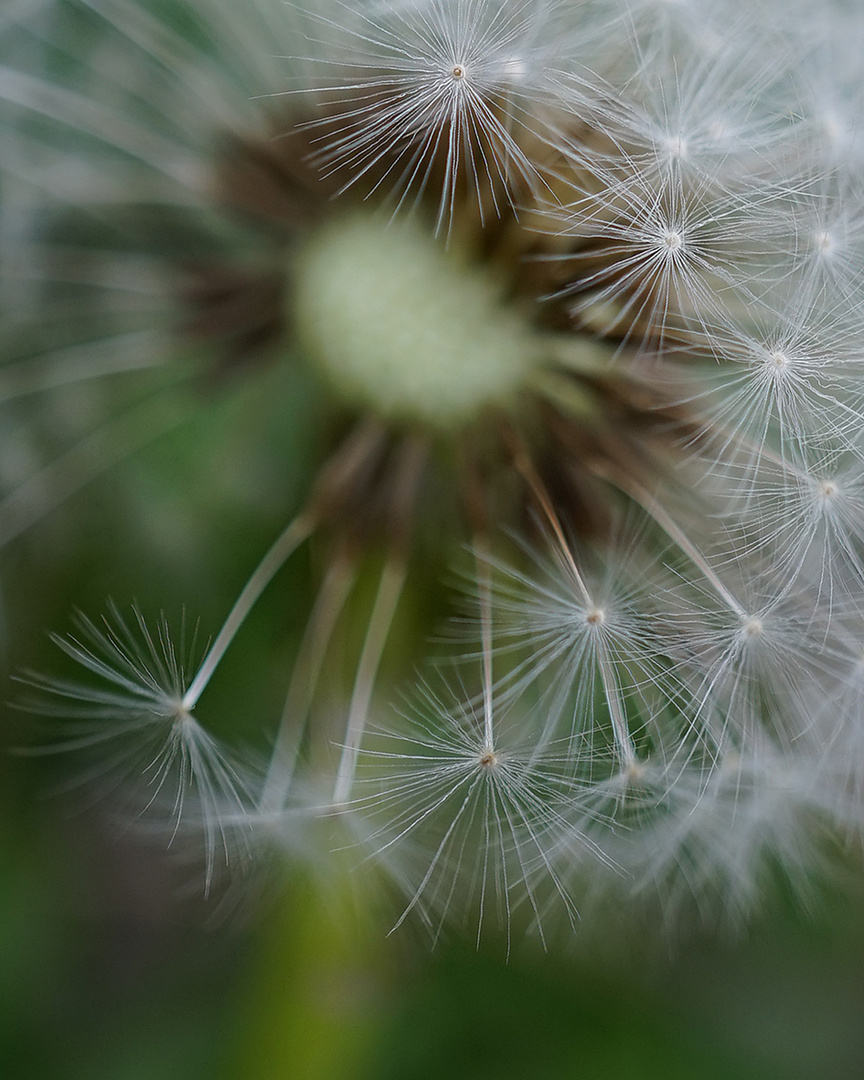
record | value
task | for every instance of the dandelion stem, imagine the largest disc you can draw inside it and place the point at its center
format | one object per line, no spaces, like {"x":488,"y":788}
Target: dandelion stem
{"x":617,"y":712}
{"x":307,"y":670}
{"x":389,"y":591}
{"x":485,"y":584}
{"x":651,"y":506}
{"x":523,"y":464}
{"x":298,"y":531}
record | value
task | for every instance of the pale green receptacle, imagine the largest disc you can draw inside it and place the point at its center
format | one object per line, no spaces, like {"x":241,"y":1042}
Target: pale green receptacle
{"x":403,"y":326}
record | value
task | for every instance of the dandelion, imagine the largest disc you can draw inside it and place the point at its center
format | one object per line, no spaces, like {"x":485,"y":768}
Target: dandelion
{"x":439,"y":84}
{"x":135,"y":712}
{"x":571,"y":286}
{"x":487,"y":810}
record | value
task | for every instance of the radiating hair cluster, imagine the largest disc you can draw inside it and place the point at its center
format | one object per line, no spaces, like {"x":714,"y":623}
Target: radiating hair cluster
{"x":576,"y":287}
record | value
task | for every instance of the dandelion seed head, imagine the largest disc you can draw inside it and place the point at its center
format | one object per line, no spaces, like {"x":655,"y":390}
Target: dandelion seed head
{"x":579,"y":283}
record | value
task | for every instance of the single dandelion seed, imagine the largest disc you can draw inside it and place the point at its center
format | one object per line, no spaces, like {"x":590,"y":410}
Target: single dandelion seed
{"x":133,"y":713}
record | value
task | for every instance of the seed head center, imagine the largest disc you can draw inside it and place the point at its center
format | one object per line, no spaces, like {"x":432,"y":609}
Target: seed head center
{"x":677,"y":147}
{"x":824,"y":243}
{"x":779,"y":359}
{"x":405,"y":328}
